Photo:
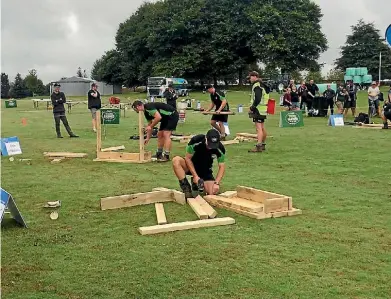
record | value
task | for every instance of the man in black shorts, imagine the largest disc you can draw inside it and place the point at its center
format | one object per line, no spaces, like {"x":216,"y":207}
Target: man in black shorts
{"x":351,"y":102}
{"x":198,"y":162}
{"x":220,"y":103}
{"x":168,"y":118}
{"x":329,"y":94}
{"x":386,"y":114}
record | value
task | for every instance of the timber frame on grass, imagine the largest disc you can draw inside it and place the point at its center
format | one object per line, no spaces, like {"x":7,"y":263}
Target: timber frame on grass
{"x":121,"y":157}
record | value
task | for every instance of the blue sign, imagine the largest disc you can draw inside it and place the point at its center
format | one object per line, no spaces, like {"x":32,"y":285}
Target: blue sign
{"x":388,"y":35}
{"x":7,"y":201}
{"x":336,"y":120}
{"x":10,"y":146}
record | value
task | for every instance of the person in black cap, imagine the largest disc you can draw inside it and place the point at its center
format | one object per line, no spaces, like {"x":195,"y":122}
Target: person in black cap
{"x":170,"y":96}
{"x":198,"y":162}
{"x":220,"y":103}
{"x":168,"y":118}
{"x":94,"y":103}
{"x":58,"y":101}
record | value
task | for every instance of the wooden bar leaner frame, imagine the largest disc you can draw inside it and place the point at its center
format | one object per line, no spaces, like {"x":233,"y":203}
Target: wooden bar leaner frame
{"x":121,"y":157}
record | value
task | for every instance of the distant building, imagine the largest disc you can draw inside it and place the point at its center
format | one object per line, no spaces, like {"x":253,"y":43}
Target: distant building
{"x":76,"y":86}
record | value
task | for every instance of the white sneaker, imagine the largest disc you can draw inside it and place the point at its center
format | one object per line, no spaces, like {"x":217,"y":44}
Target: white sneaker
{"x":94,"y":130}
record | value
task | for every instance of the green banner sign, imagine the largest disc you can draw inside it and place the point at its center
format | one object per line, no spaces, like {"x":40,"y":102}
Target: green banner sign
{"x":109,"y":116}
{"x":10,"y":104}
{"x":291,"y":119}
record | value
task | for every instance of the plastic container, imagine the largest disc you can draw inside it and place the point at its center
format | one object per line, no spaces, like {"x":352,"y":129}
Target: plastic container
{"x":182,"y":116}
{"x":198,"y":105}
{"x":182,"y":105}
{"x":271,"y":106}
{"x":351,"y":71}
{"x":367,"y":79}
{"x":357,"y":79}
{"x":348,"y":78}
{"x":240,"y":108}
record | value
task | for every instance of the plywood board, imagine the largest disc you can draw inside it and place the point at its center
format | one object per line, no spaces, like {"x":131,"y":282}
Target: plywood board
{"x":206,"y":207}
{"x":157,"y":229}
{"x":65,"y":154}
{"x":195,"y":205}
{"x":255,"y":194}
{"x":160,"y":214}
{"x":238,"y":203}
{"x":124,"y":201}
{"x":113,"y":148}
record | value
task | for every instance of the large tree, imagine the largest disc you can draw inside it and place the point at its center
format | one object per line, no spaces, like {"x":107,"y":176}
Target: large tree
{"x":5,"y":85}
{"x":208,"y":39}
{"x":18,"y":88}
{"x":108,"y":68}
{"x":362,"y":49}
{"x":33,"y":84}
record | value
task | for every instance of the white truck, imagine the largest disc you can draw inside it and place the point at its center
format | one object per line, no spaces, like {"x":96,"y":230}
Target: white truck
{"x":157,"y":85}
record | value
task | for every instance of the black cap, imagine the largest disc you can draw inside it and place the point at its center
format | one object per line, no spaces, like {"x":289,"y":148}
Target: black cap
{"x":57,"y":85}
{"x":209,"y":86}
{"x":213,"y":138}
{"x":93,"y":85}
{"x":170,"y":85}
{"x":136,"y":104}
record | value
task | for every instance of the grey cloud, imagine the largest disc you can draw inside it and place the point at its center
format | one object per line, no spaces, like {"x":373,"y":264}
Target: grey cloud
{"x":35,"y":33}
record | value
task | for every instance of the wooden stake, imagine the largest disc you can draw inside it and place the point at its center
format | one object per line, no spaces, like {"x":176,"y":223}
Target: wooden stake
{"x":206,"y":207}
{"x":98,"y":133}
{"x":141,"y":133}
{"x":160,"y":215}
{"x":157,"y":229}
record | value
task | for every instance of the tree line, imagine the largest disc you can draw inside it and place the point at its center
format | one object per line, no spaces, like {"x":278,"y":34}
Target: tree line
{"x":213,"y":40}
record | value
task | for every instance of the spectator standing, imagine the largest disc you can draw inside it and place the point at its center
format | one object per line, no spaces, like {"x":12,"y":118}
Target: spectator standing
{"x":170,"y":96}
{"x":295,"y":98}
{"x":94,"y":103}
{"x":303,"y":94}
{"x":58,"y":100}
{"x":342,"y":96}
{"x":312,"y":91}
{"x":329,"y":95}
{"x":351,"y":103}
{"x":373,"y":98}
{"x":287,"y":99}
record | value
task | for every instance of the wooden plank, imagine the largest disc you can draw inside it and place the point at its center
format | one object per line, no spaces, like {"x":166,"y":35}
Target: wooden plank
{"x":295,"y":212}
{"x":361,"y":127}
{"x":276,"y":204}
{"x":57,"y":160}
{"x":230,"y":208}
{"x":113,"y":148}
{"x":229,"y":194}
{"x":178,"y":197}
{"x":206,"y":207}
{"x":124,"y":201}
{"x":65,"y":154}
{"x":228,"y":142}
{"x":179,"y":138}
{"x":195,"y":205}
{"x":119,"y":156}
{"x":279,"y":214}
{"x":157,"y":229}
{"x":290,"y":203}
{"x":247,"y":135}
{"x":221,"y":113}
{"x":160,"y":214}
{"x":141,"y":134}
{"x":238,"y":203}
{"x":255,"y":194}
{"x":121,"y":161}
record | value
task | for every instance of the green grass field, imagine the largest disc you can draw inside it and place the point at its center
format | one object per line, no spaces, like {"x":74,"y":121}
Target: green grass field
{"x":339,"y":248}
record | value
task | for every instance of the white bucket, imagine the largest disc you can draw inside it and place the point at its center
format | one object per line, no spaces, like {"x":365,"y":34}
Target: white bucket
{"x":198,"y":105}
{"x":182,"y":105}
{"x":226,"y":129}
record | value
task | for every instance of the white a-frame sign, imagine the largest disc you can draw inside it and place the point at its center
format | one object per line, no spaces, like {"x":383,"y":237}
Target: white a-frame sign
{"x":7,"y":201}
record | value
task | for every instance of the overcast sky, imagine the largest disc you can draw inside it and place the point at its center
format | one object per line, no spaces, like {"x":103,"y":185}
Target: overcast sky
{"x":57,"y":36}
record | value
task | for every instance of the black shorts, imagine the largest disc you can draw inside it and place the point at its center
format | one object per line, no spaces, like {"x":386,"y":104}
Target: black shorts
{"x":349,"y":104}
{"x":206,"y":175}
{"x":169,"y":123}
{"x":387,"y":115}
{"x":220,"y":117}
{"x":257,"y":118}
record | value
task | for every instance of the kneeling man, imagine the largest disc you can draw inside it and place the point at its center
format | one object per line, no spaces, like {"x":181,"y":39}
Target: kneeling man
{"x":198,"y":162}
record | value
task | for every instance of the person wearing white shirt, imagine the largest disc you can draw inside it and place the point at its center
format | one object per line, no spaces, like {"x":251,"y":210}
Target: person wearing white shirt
{"x":373,"y":96}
